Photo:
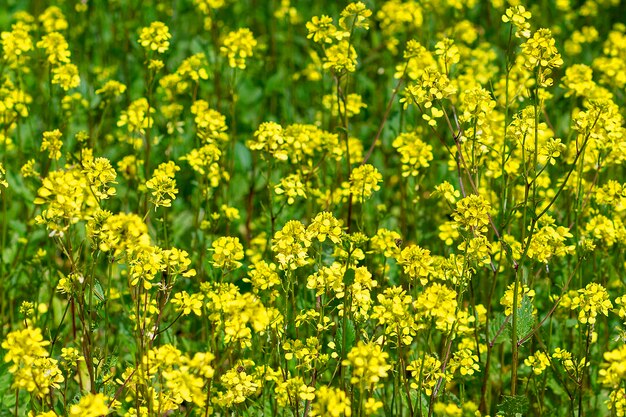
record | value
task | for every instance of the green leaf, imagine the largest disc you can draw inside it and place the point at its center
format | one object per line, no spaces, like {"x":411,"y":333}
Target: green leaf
{"x":7,"y":394}
{"x":350,"y":336}
{"x":348,"y":277}
{"x":525,"y":318}
{"x":497,"y":324}
{"x":513,"y":406}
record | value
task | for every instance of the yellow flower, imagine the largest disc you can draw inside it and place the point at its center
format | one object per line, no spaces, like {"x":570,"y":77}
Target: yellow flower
{"x":364,"y":180}
{"x":538,"y":362}
{"x":155,"y":37}
{"x":518,"y":16}
{"x":137,"y":117}
{"x":331,"y":402}
{"x":416,"y":262}
{"x":52,"y":143}
{"x":290,"y":187}
{"x":56,"y":48}
{"x":3,"y":181}
{"x":91,"y":405}
{"x":100,"y":176}
{"x":472,"y":213}
{"x":340,"y":58}
{"x":238,"y":46}
{"x":325,"y":225}
{"x":187,"y":304}
{"x":66,"y":76}
{"x":368,"y":363}
{"x":321,"y":29}
{"x":414,"y":153}
{"x":290,"y":245}
{"x":227,"y":252}
{"x":592,"y":299}
{"x":355,"y":15}
{"x":163,"y":185}
{"x":111,"y":88}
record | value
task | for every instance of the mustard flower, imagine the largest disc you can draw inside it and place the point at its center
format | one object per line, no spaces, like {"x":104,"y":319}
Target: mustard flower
{"x":22,"y":346}
{"x":477,"y":249}
{"x":155,"y":37}
{"x":591,"y":301}
{"x":578,"y":80}
{"x":414,"y":153}
{"x":67,"y":198}
{"x":91,"y":405}
{"x":518,"y":16}
{"x":71,"y":356}
{"x":416,"y":263}
{"x":201,"y":362}
{"x":438,"y":302}
{"x":472,"y":213}
{"x":52,"y":143}
{"x":184,"y":386}
{"x":293,"y":388}
{"x":31,"y":367}
{"x":144,"y":263}
{"x":111,"y":88}
{"x":386,"y":242}
{"x":269,"y":137}
{"x":448,"y":53}
{"x":55,"y":47}
{"x":613,"y":372}
{"x":162,"y":185}
{"x":211,"y":124}
{"x":394,"y":311}
{"x":238,"y":46}
{"x":53,"y":20}
{"x":331,"y":402}
{"x":352,"y":107}
{"x":323,"y":226}
{"x":364,"y":180}
{"x":507,"y":298}
{"x":327,"y":279}
{"x":540,"y":53}
{"x":239,"y":385}
{"x":538,"y":362}
{"x":399,"y":16}
{"x":100,"y":176}
{"x":186,"y":303}
{"x":66,"y":76}
{"x":205,"y":162}
{"x":477,"y":106}
{"x":465,"y":361}
{"x":207,"y":6}
{"x":540,"y":50}
{"x":38,"y":376}
{"x":426,"y":370}
{"x":290,"y":187}
{"x":617,"y":401}
{"x":137,"y":117}
{"x":177,"y":262}
{"x":262,"y":276}
{"x":3,"y":180}
{"x":355,"y":15}
{"x":321,"y":29}
{"x":194,"y":68}
{"x":549,"y":241}
{"x":368,"y":363}
{"x":16,"y":44}
{"x":227,"y":252}
{"x":447,"y":192}
{"x":340,"y":58}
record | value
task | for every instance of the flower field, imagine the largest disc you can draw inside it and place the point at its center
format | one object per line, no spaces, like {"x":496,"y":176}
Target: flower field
{"x":312,"y":208}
